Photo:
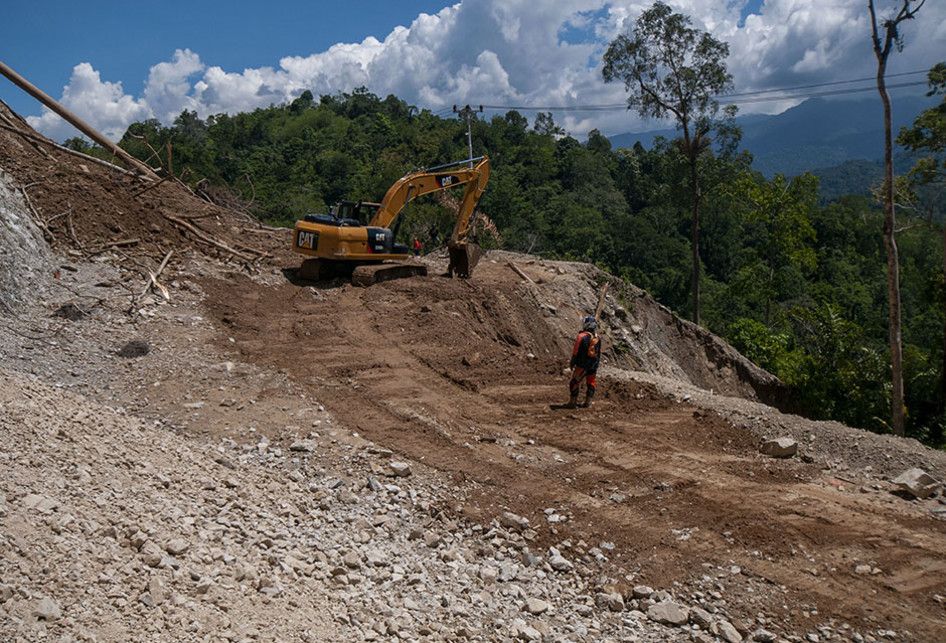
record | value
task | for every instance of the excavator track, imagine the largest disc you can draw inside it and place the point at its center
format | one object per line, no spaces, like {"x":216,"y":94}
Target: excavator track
{"x":365,"y":276}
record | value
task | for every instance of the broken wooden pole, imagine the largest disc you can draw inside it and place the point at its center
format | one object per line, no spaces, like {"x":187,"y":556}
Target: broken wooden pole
{"x":601,"y":296}
{"x":516,"y":269}
{"x":75,"y":121}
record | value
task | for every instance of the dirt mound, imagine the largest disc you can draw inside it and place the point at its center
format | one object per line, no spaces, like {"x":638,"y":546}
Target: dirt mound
{"x":639,"y":333}
{"x":90,"y":208}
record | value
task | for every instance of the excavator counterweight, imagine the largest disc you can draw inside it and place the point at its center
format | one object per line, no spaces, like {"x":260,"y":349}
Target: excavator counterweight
{"x":357,"y":238}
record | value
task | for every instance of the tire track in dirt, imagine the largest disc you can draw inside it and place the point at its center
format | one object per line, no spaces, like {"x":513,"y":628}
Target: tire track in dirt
{"x":437,"y":371}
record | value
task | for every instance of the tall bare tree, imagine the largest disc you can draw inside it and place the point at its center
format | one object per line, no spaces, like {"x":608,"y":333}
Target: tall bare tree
{"x":671,"y":69}
{"x":885,"y":36}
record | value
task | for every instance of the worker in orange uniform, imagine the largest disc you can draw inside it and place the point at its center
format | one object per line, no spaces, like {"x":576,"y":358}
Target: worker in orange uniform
{"x":585,"y":358}
{"x":417,"y":247}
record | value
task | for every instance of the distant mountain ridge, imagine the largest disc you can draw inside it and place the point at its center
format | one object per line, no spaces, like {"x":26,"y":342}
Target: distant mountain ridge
{"x":817,"y":134}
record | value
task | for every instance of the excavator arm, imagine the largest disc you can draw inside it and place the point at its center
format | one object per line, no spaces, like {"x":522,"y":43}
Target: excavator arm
{"x":436,"y":179}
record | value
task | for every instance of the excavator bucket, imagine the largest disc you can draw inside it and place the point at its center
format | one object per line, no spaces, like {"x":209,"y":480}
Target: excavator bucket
{"x":463,"y":258}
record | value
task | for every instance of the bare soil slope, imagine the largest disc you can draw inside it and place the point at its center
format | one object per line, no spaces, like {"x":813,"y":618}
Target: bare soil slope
{"x":441,"y":372}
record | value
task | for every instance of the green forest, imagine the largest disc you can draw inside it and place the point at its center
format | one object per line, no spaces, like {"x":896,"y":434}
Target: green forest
{"x":795,"y":284}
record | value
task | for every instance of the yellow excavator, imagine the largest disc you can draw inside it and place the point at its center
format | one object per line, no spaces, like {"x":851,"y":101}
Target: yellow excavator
{"x":357,"y":237}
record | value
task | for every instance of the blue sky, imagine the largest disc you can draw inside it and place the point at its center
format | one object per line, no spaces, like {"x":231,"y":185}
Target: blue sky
{"x":117,"y":62}
{"x":43,"y":39}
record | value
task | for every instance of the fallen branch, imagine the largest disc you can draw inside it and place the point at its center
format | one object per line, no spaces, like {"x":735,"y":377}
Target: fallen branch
{"x":207,"y":238}
{"x":519,"y":272}
{"x":600,"y":307}
{"x":152,"y":186}
{"x":115,"y":244}
{"x":153,"y":278}
{"x":72,"y":231}
{"x":56,"y":216}
{"x":38,"y":219}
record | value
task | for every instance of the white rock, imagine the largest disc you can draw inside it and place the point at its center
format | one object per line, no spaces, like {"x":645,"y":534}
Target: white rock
{"x":779,"y":447}
{"x":47,"y":609}
{"x":917,"y":482}
{"x":512,"y":521}
{"x":536,"y":606}
{"x":400,"y":469}
{"x":302,"y":446}
{"x":176,"y":547}
{"x":668,"y":613}
{"x":559,"y":563}
{"x":728,"y":633}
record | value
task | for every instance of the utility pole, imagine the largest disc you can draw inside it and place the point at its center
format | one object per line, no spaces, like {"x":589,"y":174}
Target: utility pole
{"x":467,"y":112}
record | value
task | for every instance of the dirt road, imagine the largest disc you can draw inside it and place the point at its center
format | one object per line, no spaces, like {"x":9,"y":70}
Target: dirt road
{"x":459,"y":375}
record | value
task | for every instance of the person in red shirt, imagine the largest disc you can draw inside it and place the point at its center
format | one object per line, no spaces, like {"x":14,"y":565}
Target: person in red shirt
{"x":417,"y":246}
{"x":586,"y":355}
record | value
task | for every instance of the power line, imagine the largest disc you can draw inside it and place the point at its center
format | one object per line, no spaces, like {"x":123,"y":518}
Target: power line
{"x":759,"y":96}
{"x":725,"y":99}
{"x":836,"y":92}
{"x":828,"y":84}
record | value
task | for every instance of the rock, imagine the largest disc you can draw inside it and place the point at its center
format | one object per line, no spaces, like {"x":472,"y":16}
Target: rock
{"x":432,"y":540}
{"x":642,"y":591}
{"x":47,"y":610}
{"x":536,"y":606}
{"x":176,"y":547}
{"x":302,"y":446}
{"x":400,"y":469}
{"x":40,"y":504}
{"x":779,"y":448}
{"x":151,"y":554}
{"x":699,"y":616}
{"x":559,"y":563}
{"x":917,"y":482}
{"x":508,"y":572}
{"x":611,"y":601}
{"x":138,"y":539}
{"x":763,"y":636}
{"x":488,"y":574}
{"x":156,"y":590}
{"x":512,"y":521}
{"x":862,"y":570}
{"x":134,"y":348}
{"x":525,"y":632}
{"x":352,"y":560}
{"x":728,"y":633}
{"x":668,"y":613}
{"x":375,"y":558}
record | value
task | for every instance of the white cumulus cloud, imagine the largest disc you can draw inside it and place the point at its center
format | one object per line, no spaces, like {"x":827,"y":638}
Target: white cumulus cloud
{"x":512,"y":52}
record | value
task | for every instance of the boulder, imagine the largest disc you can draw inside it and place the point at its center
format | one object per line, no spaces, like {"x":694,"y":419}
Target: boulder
{"x":400,"y":469}
{"x":47,"y":610}
{"x":668,"y":613}
{"x":512,"y":521}
{"x":917,"y":482}
{"x":536,"y":606}
{"x":779,"y":448}
{"x":728,"y":632}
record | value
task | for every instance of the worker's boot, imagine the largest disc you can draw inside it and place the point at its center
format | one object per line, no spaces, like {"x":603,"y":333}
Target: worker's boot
{"x":572,"y":402}
{"x":589,"y":396}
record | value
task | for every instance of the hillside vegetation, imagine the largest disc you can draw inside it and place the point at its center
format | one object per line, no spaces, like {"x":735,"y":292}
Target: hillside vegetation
{"x":798,"y":286}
